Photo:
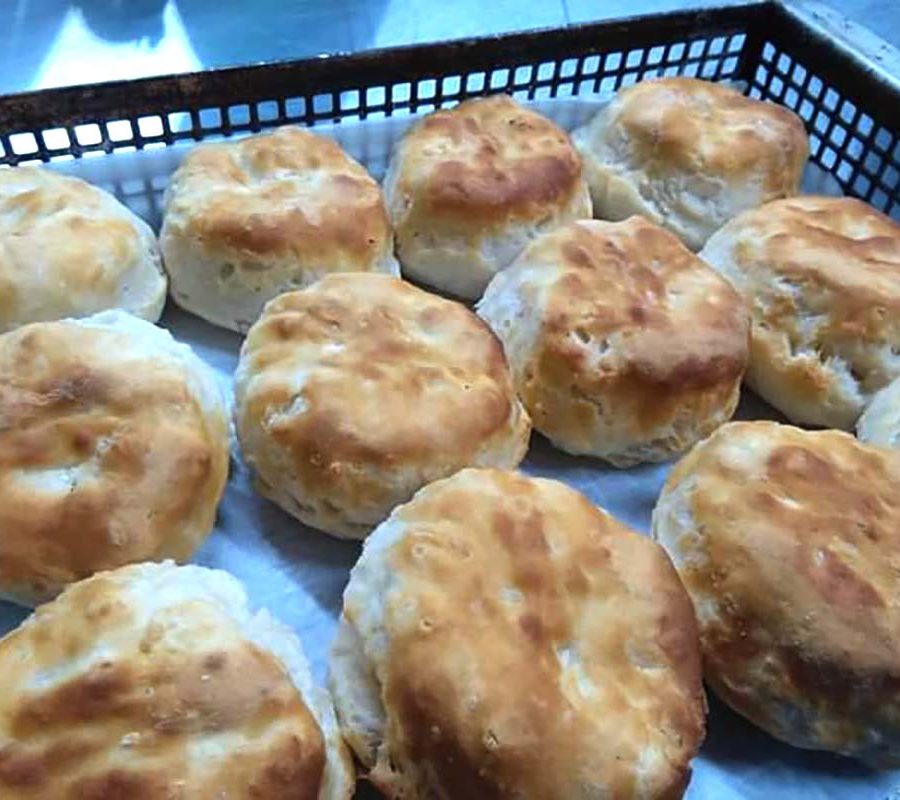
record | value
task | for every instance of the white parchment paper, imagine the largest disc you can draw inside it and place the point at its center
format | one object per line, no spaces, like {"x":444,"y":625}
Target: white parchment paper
{"x":299,"y":574}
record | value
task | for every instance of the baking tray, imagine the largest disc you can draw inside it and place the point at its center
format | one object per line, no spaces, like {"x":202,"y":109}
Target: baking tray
{"x":129,"y":136}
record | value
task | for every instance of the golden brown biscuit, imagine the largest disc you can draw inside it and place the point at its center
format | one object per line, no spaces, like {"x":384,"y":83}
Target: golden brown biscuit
{"x":689,"y":154}
{"x":69,"y":249}
{"x":468,"y":188}
{"x":622,"y":343}
{"x":502,"y":637}
{"x":822,"y":278}
{"x":248,"y":220}
{"x":157,"y":682}
{"x":355,"y":392}
{"x":789,"y":544}
{"x":113,"y":449}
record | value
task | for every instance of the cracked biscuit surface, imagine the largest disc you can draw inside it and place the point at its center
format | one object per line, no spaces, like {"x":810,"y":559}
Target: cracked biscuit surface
{"x":355,"y":392}
{"x":622,"y":343}
{"x":113,"y":449}
{"x":821,"y":276}
{"x":504,"y":638}
{"x":787,"y":541}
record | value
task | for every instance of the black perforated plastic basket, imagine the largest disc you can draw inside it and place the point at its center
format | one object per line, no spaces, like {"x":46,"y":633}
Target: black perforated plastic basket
{"x":850,"y":106}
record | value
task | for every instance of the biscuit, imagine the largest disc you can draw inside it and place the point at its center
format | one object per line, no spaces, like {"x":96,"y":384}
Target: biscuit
{"x":157,"y":681}
{"x":468,"y":188}
{"x":622,"y":343}
{"x":113,"y":449}
{"x":789,"y":544}
{"x":689,"y":155}
{"x":502,"y":637}
{"x":247,"y":220}
{"x":69,"y":249}
{"x":822,"y":278}
{"x":357,"y":391}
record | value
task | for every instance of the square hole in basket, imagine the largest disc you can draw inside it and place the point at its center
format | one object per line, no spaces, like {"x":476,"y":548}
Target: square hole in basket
{"x":798,"y":74}
{"x":322,"y":104}
{"x":791,"y":97}
{"x":376,"y":97}
{"x":854,"y":147}
{"x":755,"y":92}
{"x":879,"y":199}
{"x":475,"y":82}
{"x":848,"y":112}
{"x":815,"y":87}
{"x":568,"y":68}
{"x":806,"y":110}
{"x":670,"y":71}
{"x":729,"y":66}
{"x":829,"y":158}
{"x":607,"y":85}
{"x":239,"y":115}
{"x":25,"y":143}
{"x":717,"y":46}
{"x":864,"y":125}
{"x":499,"y":79}
{"x":709,"y":69}
{"x":86,"y":135}
{"x":56,"y":139}
{"x":768,"y":52}
{"x":697,"y":48}
{"x":783,"y":64}
{"x":872,"y":162}
{"x":776,"y":87}
{"x":691,"y":70}
{"x":522,"y":76}
{"x":675,"y":52}
{"x":629,"y":79}
{"x":267,"y":110}
{"x":844,"y":170}
{"x":882,"y":140}
{"x":451,"y":86}
{"x":612,"y":62}
{"x":838,"y":136}
{"x":210,"y":118}
{"x":546,"y":70}
{"x":634,"y":59}
{"x":821,"y":122}
{"x":120,"y":130}
{"x":401,"y":92}
{"x":149,"y":127}
{"x":862,"y":185}
{"x":349,"y":100}
{"x":891,"y":177}
{"x":591,"y":66}
{"x":831,"y":100}
{"x":427,"y":89}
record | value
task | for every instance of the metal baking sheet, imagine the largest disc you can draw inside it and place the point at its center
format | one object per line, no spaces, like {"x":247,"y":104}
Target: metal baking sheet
{"x":299,"y":574}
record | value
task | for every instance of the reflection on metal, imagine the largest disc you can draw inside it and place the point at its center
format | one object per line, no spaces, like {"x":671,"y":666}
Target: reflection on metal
{"x":66,"y":64}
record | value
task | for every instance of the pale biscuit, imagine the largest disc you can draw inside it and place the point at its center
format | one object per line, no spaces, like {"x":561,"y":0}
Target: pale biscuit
{"x":689,"y":154}
{"x":113,"y":449}
{"x":623,"y":344}
{"x":157,"y":681}
{"x":247,"y":220}
{"x":789,"y":544}
{"x":469,"y":187}
{"x":355,"y":392}
{"x":502,"y":637}
{"x":70,"y":249}
{"x":822,"y":278}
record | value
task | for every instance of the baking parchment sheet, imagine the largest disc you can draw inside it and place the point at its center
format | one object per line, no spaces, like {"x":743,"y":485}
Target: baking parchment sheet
{"x":299,"y":574}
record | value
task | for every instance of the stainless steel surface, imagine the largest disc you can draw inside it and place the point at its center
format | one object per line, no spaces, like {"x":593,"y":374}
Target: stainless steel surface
{"x":299,"y":574}
{"x":58,"y":42}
